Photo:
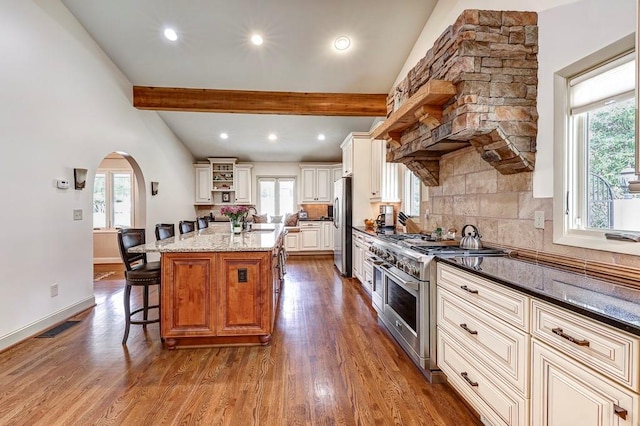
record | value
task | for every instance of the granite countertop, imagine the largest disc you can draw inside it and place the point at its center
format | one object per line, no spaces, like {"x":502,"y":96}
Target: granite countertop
{"x":607,"y":302}
{"x":217,"y":238}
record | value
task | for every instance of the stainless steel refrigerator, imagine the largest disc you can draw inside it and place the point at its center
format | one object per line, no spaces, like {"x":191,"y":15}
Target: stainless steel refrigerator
{"x":342,"y":225}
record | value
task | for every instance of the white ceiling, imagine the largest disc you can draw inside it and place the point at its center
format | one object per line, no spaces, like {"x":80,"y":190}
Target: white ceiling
{"x":213,"y":51}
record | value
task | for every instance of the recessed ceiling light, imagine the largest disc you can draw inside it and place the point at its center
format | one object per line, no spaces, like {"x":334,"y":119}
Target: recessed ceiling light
{"x":224,"y":136}
{"x":170,"y":34}
{"x":321,"y":137}
{"x":342,"y":43}
{"x":272,"y":136}
{"x":257,"y":39}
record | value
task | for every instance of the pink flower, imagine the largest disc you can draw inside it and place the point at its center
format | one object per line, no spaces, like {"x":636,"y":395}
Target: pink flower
{"x":234,"y":212}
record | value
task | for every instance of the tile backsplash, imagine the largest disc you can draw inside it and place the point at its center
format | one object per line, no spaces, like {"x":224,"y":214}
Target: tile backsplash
{"x":501,"y":206}
{"x":315,"y":211}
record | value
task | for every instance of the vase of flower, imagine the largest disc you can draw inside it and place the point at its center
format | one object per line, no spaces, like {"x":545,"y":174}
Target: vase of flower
{"x":236,"y":226}
{"x":235,"y":215}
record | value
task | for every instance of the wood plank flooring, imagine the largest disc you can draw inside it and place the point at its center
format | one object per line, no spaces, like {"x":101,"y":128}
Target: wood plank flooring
{"x":329,"y":363}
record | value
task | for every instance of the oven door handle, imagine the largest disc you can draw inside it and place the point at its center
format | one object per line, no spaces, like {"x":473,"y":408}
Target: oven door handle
{"x":410,"y":286}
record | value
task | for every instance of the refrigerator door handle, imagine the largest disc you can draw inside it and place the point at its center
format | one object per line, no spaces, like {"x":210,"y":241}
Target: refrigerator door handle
{"x":336,"y":213}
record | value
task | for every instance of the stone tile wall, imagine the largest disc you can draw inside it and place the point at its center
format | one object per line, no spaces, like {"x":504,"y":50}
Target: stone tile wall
{"x":491,"y":58}
{"x":471,"y":191}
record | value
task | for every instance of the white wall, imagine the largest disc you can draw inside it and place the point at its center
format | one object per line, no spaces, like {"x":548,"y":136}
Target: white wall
{"x":65,"y":105}
{"x":568,"y":31}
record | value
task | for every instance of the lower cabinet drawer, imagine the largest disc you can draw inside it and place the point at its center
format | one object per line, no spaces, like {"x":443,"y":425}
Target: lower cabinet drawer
{"x":502,"y":347}
{"x":509,"y":305}
{"x":612,"y":352}
{"x":487,"y":394}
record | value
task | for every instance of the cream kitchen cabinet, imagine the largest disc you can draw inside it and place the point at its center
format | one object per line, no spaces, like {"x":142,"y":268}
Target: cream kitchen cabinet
{"x":347,"y":156}
{"x":242,"y":183}
{"x":327,"y":235}
{"x":576,"y":371}
{"x":384,"y":179}
{"x":566,"y":393}
{"x":337,"y":173}
{"x":361,"y":267}
{"x":377,"y":162}
{"x":203,"y":183}
{"x":316,"y":184}
{"x":291,"y":241}
{"x":357,"y":267}
{"x":314,"y":235}
{"x":310,"y":236}
{"x":483,"y":344}
{"x":583,"y":372}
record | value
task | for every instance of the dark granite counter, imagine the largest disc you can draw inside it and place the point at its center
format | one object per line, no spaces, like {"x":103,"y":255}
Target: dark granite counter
{"x":610,"y":303}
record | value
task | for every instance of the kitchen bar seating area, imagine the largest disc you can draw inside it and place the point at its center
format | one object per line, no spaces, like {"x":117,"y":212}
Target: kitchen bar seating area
{"x":319,"y":369}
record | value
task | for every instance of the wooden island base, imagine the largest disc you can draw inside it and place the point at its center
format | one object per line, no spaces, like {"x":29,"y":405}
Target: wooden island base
{"x":202,"y":342}
{"x":224,"y":298}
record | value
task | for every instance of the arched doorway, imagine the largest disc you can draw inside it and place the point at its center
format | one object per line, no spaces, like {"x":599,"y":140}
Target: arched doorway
{"x":119,"y":201}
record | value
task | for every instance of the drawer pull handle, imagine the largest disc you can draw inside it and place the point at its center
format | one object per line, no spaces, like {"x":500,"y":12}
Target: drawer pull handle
{"x":465,"y":288}
{"x":620,"y":412}
{"x":560,"y":333}
{"x":467,"y":329}
{"x":466,"y":377}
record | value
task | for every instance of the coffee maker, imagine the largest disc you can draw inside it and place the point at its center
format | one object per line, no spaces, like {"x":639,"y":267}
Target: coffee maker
{"x":385,"y":219}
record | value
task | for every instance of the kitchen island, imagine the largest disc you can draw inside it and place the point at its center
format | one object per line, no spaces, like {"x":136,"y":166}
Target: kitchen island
{"x":219,"y":288}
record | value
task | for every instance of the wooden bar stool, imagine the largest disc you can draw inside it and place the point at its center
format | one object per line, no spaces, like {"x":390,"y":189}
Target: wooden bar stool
{"x":138,"y":273}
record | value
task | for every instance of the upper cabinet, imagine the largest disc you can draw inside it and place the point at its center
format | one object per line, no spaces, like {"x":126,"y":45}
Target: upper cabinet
{"x":384,"y":177}
{"x":203,"y":183}
{"x":242,"y":183}
{"x":316,"y":183}
{"x":222,"y":181}
{"x":337,"y":173}
{"x":347,"y":156}
{"x":377,"y":163}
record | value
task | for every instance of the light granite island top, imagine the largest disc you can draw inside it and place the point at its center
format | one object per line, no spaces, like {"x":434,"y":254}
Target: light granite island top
{"x":217,"y":238}
{"x":219,"y":288}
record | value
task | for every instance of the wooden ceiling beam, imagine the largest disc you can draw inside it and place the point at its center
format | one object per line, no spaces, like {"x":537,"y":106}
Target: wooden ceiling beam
{"x":254,"y":102}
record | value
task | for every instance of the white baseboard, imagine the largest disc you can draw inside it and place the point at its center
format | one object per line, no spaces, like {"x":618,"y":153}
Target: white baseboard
{"x":104,"y":260}
{"x":37,"y":327}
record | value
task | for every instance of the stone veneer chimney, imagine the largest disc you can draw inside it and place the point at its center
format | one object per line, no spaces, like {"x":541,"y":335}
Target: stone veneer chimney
{"x":491,"y":58}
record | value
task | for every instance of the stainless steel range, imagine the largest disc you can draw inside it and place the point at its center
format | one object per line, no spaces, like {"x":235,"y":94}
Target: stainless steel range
{"x":404,"y":292}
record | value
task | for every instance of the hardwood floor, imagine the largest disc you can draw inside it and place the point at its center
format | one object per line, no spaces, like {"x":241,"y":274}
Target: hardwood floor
{"x":329,"y":363}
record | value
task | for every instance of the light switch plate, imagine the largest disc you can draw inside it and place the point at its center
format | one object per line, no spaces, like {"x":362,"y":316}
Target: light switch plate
{"x":77,"y":214}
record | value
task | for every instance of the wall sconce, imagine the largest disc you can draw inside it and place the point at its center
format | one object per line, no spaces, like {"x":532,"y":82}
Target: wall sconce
{"x":80,"y":178}
{"x":154,"y":188}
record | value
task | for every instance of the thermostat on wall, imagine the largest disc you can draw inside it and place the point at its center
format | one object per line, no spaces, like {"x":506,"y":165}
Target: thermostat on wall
{"x":62,"y":184}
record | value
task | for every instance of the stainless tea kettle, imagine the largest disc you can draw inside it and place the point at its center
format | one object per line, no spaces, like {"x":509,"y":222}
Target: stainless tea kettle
{"x":471,"y":240}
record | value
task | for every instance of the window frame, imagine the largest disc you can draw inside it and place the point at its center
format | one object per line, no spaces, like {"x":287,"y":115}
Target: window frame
{"x":410,"y":180}
{"x":109,"y":202}
{"x":276,"y":179}
{"x":564,"y":156}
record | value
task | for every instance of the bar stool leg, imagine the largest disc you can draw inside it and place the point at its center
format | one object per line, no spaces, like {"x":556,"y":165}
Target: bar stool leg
{"x":127,"y":313}
{"x":145,"y":313}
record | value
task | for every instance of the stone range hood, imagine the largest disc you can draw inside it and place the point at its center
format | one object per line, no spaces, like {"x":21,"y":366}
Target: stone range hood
{"x":477,"y":86}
